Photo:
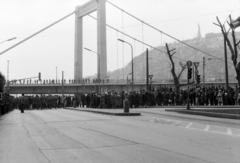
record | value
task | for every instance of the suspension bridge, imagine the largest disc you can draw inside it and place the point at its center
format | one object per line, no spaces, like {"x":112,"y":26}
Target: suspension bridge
{"x":102,"y":67}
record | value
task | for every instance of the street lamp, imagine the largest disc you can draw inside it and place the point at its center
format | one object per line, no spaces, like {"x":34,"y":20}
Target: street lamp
{"x":62,"y":83}
{"x":8,"y":40}
{"x":98,"y":72}
{"x":132,"y":60}
{"x":127,"y":80}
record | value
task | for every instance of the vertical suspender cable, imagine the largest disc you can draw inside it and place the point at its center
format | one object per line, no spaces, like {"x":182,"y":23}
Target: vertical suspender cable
{"x":143,"y":51}
{"x":134,"y":54}
{"x":117,"y":56}
{"x":122,"y":46}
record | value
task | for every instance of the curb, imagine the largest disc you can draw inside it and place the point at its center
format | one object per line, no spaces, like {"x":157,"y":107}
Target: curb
{"x":107,"y":113}
{"x":197,"y":106}
{"x":209,"y":114}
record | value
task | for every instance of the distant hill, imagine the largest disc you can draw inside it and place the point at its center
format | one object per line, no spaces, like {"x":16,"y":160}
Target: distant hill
{"x":159,"y":63}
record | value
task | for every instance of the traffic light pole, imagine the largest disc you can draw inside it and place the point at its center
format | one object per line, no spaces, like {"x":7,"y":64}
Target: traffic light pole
{"x":189,"y":65}
{"x":188,"y":104}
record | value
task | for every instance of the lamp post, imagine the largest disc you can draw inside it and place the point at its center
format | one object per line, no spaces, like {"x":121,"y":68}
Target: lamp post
{"x":8,"y":40}
{"x":98,"y":72}
{"x":127,"y":80}
{"x":132,"y":60}
{"x":62,"y":83}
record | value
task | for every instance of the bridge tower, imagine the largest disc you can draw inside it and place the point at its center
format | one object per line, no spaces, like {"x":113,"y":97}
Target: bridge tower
{"x":81,"y":11}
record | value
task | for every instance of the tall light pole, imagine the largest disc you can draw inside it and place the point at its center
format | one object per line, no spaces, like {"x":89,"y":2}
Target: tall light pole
{"x":203,"y":71}
{"x":132,"y":60}
{"x":98,"y":72}
{"x":8,"y":40}
{"x":62,"y":83}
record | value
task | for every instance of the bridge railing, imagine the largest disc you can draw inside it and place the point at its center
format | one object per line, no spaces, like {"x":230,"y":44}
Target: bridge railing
{"x":107,"y":81}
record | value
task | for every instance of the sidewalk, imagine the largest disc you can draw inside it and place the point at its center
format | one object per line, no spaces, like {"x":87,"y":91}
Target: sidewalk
{"x":219,"y":112}
{"x":114,"y":112}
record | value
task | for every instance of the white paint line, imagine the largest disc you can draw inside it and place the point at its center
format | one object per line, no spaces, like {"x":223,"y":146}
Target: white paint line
{"x":229,"y":131}
{"x":189,"y":125}
{"x":206,"y":128}
{"x":175,"y":123}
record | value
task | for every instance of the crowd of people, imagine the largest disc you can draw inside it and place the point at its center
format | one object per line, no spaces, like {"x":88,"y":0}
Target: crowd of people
{"x":160,"y":96}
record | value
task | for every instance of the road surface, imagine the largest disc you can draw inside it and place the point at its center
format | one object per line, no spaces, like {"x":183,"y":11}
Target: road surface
{"x":64,"y":136}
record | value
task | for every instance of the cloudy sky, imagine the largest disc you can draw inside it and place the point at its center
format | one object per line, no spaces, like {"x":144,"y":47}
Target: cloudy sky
{"x":55,"y":46}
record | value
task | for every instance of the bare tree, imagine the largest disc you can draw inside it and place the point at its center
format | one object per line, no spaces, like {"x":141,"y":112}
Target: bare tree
{"x":232,"y":47}
{"x":176,"y":78}
{"x":2,"y":82}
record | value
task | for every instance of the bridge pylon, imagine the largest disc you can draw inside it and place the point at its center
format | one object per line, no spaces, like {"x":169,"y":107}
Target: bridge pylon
{"x":81,"y":11}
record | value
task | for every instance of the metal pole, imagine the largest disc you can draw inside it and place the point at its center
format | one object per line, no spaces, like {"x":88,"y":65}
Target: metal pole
{"x":147,"y":70}
{"x":132,"y":69}
{"x":62,"y":83}
{"x":103,"y":85}
{"x":203,"y":71}
{"x":8,"y":76}
{"x":127,"y":83}
{"x":8,"y":40}
{"x":99,"y":89}
{"x":188,"y":104}
{"x":132,"y":61}
{"x":193,"y":74}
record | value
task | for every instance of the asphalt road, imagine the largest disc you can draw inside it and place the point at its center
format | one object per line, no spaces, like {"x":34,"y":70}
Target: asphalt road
{"x":74,"y":136}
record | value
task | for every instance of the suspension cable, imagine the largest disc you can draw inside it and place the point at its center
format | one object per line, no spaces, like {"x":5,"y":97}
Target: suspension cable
{"x":117,"y":56}
{"x":166,"y":33}
{"x":141,"y":41}
{"x":122,"y":45}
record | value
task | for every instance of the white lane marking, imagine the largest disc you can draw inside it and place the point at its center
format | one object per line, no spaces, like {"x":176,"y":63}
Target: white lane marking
{"x":206,"y":128}
{"x":175,"y":123}
{"x":189,"y":125}
{"x":229,"y":131}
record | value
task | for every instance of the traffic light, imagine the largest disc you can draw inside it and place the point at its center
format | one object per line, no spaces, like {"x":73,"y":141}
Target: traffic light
{"x":39,"y":76}
{"x":189,"y":73}
{"x":198,"y":79}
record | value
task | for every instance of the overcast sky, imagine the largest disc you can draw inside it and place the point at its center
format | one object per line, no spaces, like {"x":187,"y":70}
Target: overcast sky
{"x":55,"y":46}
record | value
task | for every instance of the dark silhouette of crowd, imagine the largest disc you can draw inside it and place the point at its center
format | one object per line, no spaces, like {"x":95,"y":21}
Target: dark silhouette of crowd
{"x":157,"y":96}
